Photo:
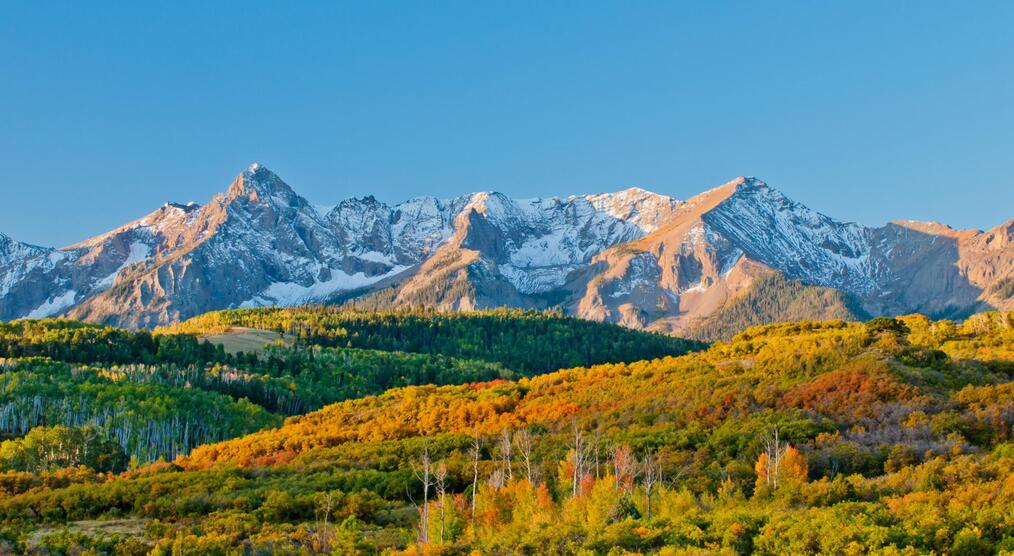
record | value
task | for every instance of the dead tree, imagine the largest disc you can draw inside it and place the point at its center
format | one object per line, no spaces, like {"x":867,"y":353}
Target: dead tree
{"x":475,"y":451}
{"x":524,"y":445}
{"x":579,"y":458}
{"x":323,"y":530}
{"x":624,"y":468}
{"x":774,"y":449}
{"x":506,"y":456}
{"x":440,"y":477}
{"x":497,"y":479}
{"x":424,"y":473}
{"x":651,"y":476}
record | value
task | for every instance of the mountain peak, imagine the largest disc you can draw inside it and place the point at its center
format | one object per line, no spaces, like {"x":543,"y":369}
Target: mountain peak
{"x":10,"y":247}
{"x":258,"y":180}
{"x":727,"y":189}
{"x":750,"y":181}
{"x":646,"y":209}
{"x":635,"y":191}
{"x":753,"y":190}
{"x":187,"y":207}
{"x":491,"y":203}
{"x":357,"y":208}
{"x":258,"y":171}
{"x":746,"y":184}
{"x":632,"y":194}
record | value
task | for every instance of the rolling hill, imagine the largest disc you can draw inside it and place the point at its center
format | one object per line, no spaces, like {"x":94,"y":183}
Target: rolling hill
{"x":892,"y":436}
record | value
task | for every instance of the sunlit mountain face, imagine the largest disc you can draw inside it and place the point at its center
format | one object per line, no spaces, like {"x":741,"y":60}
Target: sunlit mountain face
{"x":632,"y":257}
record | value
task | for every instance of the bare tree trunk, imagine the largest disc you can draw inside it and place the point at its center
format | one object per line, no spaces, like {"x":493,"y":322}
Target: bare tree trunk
{"x":506,"y":456}
{"x":774,"y":449}
{"x":579,"y":454}
{"x":525,"y":444}
{"x":323,"y":533}
{"x":441,"y":482}
{"x":424,"y":474}
{"x":625,"y":469}
{"x":476,"y":448}
{"x":651,"y":475}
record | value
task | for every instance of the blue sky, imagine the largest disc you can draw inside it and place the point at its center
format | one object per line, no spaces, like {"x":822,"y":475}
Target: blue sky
{"x":867,"y":111}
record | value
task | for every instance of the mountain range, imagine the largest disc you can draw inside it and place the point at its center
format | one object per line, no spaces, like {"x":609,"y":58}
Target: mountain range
{"x":736,"y":255}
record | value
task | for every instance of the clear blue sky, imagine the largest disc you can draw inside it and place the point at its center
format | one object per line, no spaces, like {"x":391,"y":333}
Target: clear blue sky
{"x":864,"y":111}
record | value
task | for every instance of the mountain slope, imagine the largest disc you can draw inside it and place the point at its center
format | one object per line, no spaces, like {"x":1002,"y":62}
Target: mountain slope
{"x":772,"y":298}
{"x":632,"y":257}
{"x":713,"y":251}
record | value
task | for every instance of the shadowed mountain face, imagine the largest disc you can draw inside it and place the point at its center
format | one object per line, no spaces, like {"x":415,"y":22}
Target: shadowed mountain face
{"x":632,"y":257}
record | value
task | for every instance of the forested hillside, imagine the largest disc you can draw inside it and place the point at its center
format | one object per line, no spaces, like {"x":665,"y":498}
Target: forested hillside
{"x":159,"y":395}
{"x":528,"y":342}
{"x":889,"y":437}
{"x":773,"y":298}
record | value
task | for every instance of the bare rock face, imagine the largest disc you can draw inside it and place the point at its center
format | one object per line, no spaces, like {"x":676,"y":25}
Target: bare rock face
{"x":632,"y":257}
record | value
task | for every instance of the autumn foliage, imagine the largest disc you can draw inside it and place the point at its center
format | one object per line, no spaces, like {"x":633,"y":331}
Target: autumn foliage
{"x":889,"y":437}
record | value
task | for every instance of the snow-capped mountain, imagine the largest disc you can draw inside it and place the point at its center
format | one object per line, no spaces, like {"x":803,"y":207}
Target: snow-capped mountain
{"x":632,"y":257}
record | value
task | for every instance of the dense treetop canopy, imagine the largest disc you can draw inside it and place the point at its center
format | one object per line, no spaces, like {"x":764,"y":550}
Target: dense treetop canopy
{"x":529,"y":342}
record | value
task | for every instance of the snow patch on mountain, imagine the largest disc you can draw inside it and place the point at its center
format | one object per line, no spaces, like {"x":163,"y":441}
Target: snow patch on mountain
{"x":643,"y":273}
{"x":645,"y":209}
{"x":545,"y":239}
{"x":53,"y":305}
{"x":534,"y":280}
{"x":139,"y":251}
{"x":294,"y":293}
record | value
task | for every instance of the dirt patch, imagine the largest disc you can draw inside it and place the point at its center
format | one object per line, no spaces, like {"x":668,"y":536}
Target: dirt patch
{"x":247,"y":340}
{"x":96,"y":528}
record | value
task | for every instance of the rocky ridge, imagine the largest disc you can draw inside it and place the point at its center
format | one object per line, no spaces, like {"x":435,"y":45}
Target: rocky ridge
{"x":632,"y":257}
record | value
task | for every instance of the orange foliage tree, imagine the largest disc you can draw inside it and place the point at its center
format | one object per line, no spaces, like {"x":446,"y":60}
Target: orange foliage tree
{"x":784,"y":467}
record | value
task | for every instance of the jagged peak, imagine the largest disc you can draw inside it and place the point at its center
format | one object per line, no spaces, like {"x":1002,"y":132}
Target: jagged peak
{"x":364,"y":200}
{"x":258,"y":179}
{"x":185,"y":207}
{"x":730,"y":187}
{"x":9,"y":245}
{"x":358,"y":205}
{"x":486,"y":195}
{"x":752,"y":195}
{"x":747,"y":182}
{"x":747,"y":198}
{"x":169,"y":214}
{"x":421,"y":199}
{"x":429,"y":205}
{"x":631,"y":194}
{"x":486,"y":202}
{"x":749,"y":189}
